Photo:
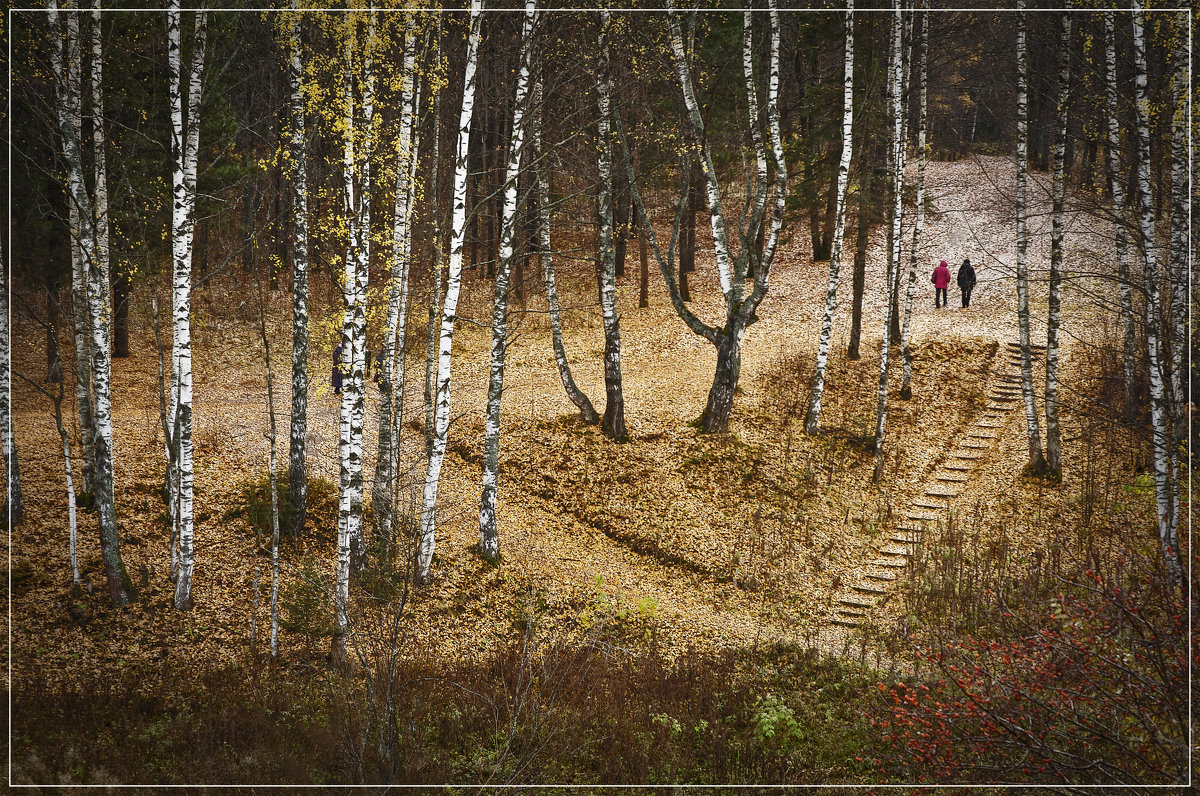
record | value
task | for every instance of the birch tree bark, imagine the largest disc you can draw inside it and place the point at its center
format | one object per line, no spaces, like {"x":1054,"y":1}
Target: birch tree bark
{"x":812,"y":419}
{"x":919,"y":225}
{"x":896,"y":167}
{"x":1179,"y":260}
{"x":1054,"y":317}
{"x":435,"y":301}
{"x":13,"y":506}
{"x":613,"y":422}
{"x":489,"y":535}
{"x":453,"y":286}
{"x":184,"y":147}
{"x":67,"y":66}
{"x":541,"y":174}
{"x":382,"y":494}
{"x":297,"y":454}
{"x":1158,"y":409}
{"x":1117,"y":183}
{"x":740,"y":309}
{"x":1037,"y":463}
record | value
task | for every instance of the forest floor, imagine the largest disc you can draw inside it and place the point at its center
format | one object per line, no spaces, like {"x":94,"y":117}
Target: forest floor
{"x":699,"y":541}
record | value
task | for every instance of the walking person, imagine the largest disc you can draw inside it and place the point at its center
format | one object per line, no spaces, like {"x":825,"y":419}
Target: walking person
{"x":966,"y":282}
{"x":941,"y":281}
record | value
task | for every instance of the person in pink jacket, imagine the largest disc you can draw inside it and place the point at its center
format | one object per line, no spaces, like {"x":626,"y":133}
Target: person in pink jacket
{"x":941,"y":281}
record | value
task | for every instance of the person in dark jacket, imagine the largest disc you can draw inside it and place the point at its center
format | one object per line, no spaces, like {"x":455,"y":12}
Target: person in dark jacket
{"x":966,"y":281}
{"x":941,"y":281}
{"x":336,"y":379}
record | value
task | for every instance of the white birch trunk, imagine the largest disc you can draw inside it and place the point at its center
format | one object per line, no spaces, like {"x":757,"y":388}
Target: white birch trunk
{"x":67,"y":81}
{"x":1037,"y":462}
{"x":1116,"y":180}
{"x":1054,"y":317}
{"x":919,"y":224}
{"x":184,"y":147}
{"x":1158,"y":409}
{"x":542,"y":177}
{"x":297,"y":457}
{"x":390,"y":388}
{"x":489,"y":535}
{"x":453,"y":286}
{"x":812,"y":421}
{"x":13,"y":503}
{"x":613,"y":422}
{"x":896,"y":166}
{"x":435,"y":300}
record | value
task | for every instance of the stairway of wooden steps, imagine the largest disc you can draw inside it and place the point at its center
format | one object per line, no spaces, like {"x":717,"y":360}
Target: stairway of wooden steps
{"x":876,"y":576}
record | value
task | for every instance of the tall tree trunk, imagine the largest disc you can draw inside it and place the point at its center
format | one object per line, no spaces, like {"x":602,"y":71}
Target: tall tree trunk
{"x":183,"y":219}
{"x":1158,"y":410}
{"x":67,"y":69}
{"x":453,"y":286}
{"x":489,"y":534}
{"x":861,"y":239}
{"x":922,"y":154}
{"x":1117,"y":182}
{"x":1037,"y":463}
{"x":1053,"y":457}
{"x":812,"y":419}
{"x":435,"y":301}
{"x":13,"y":504}
{"x":297,"y":454}
{"x":644,"y":271}
{"x":391,"y":388}
{"x":896,"y":167}
{"x":577,"y":396}
{"x":1178,"y":270}
{"x":613,"y":422}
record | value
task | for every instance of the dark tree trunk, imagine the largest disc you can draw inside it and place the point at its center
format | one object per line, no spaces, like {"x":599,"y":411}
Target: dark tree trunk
{"x":715,"y":419}
{"x":621,"y":233}
{"x":644,"y":282}
{"x":120,"y":312}
{"x":860,"y":264}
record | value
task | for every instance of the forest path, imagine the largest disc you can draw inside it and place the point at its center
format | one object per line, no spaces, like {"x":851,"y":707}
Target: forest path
{"x":874,"y":583}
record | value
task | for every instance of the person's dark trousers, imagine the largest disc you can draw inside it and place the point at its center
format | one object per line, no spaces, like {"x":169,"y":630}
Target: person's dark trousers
{"x":967,"y":296}
{"x":939,"y":299}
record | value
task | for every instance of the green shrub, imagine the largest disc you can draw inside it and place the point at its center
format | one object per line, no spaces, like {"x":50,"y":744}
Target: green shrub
{"x":254,"y":504}
{"x":306,"y":604}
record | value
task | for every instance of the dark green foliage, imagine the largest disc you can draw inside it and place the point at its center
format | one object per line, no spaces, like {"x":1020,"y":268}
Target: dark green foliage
{"x":306,"y":603}
{"x":254,"y":504}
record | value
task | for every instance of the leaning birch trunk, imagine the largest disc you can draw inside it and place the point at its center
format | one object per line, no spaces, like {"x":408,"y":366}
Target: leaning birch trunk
{"x":458,"y":227}
{"x":613,"y":422}
{"x":896,"y":166}
{"x":297,"y":457}
{"x":1054,"y":314}
{"x":66,"y":58}
{"x":1117,"y":182}
{"x":1158,"y":409}
{"x":813,"y":418}
{"x":184,"y":151}
{"x":919,"y":225}
{"x":1037,"y":463}
{"x":578,"y":397}
{"x":489,"y":535}
{"x":13,"y":503}
{"x":382,"y":493}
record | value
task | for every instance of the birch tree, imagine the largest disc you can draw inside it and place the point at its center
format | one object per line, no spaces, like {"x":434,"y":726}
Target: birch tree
{"x":435,"y":299}
{"x":542,"y":177}
{"x":489,"y":536}
{"x":1037,"y":463}
{"x":1179,"y":260}
{"x":919,"y":223}
{"x":1117,"y":184}
{"x":356,"y":207}
{"x":184,"y":147}
{"x":613,"y":422}
{"x":297,"y":456}
{"x":812,"y":419}
{"x":896,"y":169}
{"x":1053,"y":460}
{"x":458,"y":226}
{"x":67,"y":67}
{"x":390,"y":387}
{"x":13,"y":503}
{"x":1146,"y":246}
{"x":733,"y":268}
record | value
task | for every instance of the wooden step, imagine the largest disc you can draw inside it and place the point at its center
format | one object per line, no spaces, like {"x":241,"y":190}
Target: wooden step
{"x":982,"y":435}
{"x":883,"y":576}
{"x":953,"y":479}
{"x":857,"y":602}
{"x":868,"y":588}
{"x":843,"y":622}
{"x":958,"y":468}
{"x":976,"y":446}
{"x":989,"y":425}
{"x":943,"y":492}
{"x":925,"y":504}
{"x":849,"y":614}
{"x":897,"y":550}
{"x":900,"y":538}
{"x":890,"y":563}
{"x":967,"y":456}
